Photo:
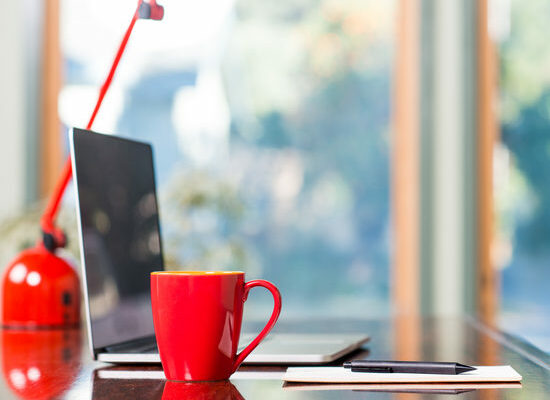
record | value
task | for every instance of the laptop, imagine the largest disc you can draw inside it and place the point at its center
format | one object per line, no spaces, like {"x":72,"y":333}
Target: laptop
{"x":120,"y":245}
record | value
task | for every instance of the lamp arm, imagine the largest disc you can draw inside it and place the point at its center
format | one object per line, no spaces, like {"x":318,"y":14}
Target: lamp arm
{"x":53,"y":237}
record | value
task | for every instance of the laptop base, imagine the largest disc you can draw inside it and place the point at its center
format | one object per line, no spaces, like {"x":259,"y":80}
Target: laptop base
{"x":278,"y":348}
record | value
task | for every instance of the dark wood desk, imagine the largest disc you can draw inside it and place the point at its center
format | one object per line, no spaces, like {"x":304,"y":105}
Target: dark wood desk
{"x":56,"y":364}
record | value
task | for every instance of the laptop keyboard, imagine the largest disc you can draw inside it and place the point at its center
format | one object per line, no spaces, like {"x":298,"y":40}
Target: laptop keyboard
{"x":149,"y":346}
{"x":144,"y":345}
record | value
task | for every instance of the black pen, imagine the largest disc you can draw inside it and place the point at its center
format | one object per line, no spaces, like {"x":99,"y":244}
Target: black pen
{"x":408,"y":367}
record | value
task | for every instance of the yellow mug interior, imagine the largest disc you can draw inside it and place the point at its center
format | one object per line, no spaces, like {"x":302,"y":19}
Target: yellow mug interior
{"x":197,"y":272}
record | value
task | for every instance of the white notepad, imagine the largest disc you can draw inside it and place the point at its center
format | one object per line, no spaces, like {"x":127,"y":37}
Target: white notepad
{"x":501,"y":373}
{"x":401,"y":387}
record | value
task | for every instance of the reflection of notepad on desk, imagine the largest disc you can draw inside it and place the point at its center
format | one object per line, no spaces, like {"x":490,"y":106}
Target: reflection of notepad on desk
{"x":502,"y":373}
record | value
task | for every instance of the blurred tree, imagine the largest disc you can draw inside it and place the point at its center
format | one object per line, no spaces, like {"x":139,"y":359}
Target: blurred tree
{"x":525,"y":115}
{"x":318,"y":74}
{"x":528,"y":138}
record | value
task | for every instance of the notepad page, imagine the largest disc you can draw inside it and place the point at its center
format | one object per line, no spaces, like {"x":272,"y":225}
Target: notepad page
{"x":501,"y":373}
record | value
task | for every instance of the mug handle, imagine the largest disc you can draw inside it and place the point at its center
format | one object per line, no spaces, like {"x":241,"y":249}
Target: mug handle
{"x":274,"y":316}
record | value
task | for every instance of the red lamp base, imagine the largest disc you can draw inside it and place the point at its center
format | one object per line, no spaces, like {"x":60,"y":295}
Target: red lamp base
{"x":40,"y":290}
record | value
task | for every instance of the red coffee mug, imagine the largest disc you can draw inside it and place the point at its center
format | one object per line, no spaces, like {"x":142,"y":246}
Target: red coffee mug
{"x":197,"y":317}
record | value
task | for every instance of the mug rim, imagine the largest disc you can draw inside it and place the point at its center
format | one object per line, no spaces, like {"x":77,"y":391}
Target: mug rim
{"x":197,"y":273}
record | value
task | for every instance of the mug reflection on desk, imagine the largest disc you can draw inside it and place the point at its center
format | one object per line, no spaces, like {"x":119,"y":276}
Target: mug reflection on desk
{"x":220,"y":390}
{"x":40,"y":364}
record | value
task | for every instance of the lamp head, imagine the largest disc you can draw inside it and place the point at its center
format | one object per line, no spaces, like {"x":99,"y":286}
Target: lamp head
{"x":151,"y":10}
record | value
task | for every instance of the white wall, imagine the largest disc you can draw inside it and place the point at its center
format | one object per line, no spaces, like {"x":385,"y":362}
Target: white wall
{"x":12,"y":103}
{"x":19,"y":100}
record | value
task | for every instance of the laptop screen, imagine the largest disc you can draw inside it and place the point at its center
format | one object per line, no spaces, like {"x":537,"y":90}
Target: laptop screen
{"x":119,"y":232}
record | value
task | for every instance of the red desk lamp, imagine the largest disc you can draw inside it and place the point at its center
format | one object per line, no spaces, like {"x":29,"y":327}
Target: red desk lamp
{"x":39,"y":288}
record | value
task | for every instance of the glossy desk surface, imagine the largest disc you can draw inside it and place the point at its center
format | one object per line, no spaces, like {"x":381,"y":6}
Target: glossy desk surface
{"x":56,"y":364}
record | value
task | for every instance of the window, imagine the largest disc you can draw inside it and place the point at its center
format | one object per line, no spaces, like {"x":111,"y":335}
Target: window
{"x":270,"y":123}
{"x":522,"y":173}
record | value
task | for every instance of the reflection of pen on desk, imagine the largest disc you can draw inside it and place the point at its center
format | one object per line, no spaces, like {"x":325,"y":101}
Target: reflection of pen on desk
{"x":407,"y":367}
